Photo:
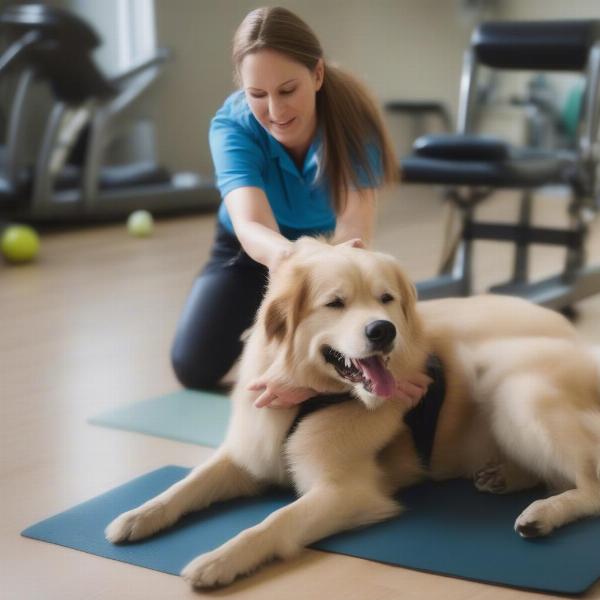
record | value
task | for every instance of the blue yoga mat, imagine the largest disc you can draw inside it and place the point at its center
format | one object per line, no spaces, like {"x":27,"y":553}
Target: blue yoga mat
{"x":185,"y":416}
{"x":449,"y":528}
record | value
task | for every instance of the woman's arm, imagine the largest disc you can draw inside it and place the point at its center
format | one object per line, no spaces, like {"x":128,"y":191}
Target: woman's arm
{"x":255,"y":226}
{"x":358,"y":218}
{"x":258,"y":233}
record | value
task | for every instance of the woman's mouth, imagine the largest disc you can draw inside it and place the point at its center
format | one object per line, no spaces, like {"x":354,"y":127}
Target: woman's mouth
{"x":282,"y":124}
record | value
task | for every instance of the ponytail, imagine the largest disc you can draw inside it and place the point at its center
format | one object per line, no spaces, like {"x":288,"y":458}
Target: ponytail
{"x":353,"y":132}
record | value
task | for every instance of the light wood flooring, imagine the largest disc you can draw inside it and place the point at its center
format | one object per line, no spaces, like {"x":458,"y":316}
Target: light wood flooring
{"x":88,"y":327}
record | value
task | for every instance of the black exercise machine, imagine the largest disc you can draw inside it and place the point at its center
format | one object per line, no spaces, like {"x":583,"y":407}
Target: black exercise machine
{"x":68,"y":179}
{"x":472,"y":167}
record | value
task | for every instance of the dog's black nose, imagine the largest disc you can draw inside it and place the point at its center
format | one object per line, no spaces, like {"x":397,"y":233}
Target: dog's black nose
{"x":380,"y":334}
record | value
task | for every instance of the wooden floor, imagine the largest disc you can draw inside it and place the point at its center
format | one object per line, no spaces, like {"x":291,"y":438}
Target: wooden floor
{"x":89,"y":326}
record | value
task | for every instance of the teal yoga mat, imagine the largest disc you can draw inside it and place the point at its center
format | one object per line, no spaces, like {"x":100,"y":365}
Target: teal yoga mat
{"x":449,"y":528}
{"x":185,"y":416}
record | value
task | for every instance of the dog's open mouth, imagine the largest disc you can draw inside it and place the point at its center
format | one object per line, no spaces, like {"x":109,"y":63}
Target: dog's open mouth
{"x":371,"y":371}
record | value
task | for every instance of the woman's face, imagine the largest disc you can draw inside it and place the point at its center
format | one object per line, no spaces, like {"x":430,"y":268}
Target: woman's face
{"x":281,"y":94}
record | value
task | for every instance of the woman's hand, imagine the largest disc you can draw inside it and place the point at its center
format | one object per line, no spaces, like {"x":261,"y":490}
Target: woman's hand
{"x":276,"y":394}
{"x":353,"y":243}
{"x":283,"y":253}
{"x":412,"y":390}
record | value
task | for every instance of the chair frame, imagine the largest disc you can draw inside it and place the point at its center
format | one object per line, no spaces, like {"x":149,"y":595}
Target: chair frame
{"x":576,"y":280}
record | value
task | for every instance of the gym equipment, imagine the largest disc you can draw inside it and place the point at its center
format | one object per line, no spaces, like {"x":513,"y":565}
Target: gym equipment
{"x":448,"y":528}
{"x":472,"y":167}
{"x":68,"y":179}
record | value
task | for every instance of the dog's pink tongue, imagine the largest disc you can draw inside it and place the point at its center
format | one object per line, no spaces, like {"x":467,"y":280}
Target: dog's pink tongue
{"x":383,"y":381}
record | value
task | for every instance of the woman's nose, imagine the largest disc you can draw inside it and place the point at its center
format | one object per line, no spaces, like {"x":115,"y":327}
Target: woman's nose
{"x":275,"y":106}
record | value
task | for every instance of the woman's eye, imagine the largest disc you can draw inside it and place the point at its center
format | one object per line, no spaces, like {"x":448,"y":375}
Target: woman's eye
{"x":337,"y":303}
{"x":288,"y":92}
{"x":387,"y":298}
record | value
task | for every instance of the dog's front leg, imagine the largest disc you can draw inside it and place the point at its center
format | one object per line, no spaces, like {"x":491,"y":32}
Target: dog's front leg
{"x":220,"y":478}
{"x":325,"y":509}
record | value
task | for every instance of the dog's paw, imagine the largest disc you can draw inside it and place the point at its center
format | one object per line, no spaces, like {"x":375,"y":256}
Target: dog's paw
{"x":137,"y":524}
{"x":492,"y":479}
{"x":212,"y":569}
{"x":535,"y":520}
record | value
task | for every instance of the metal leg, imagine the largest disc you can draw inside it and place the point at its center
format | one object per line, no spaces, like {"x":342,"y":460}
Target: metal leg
{"x":575,"y":259}
{"x":455,"y":276}
{"x":521,"y":259}
{"x":15,"y":134}
{"x":463,"y":266}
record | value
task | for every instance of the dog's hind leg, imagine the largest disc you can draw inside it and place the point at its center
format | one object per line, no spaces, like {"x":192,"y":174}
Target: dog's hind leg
{"x":325,"y":509}
{"x":578,"y":444}
{"x":503,"y":477}
{"x":220,"y":478}
{"x":542,"y":516}
{"x":552,"y":430}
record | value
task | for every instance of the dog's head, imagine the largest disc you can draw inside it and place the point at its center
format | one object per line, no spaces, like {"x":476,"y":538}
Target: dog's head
{"x":344,"y":319}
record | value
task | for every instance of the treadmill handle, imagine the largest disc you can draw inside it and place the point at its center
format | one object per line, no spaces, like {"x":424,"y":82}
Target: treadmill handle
{"x":161,"y":56}
{"x":14,"y":51}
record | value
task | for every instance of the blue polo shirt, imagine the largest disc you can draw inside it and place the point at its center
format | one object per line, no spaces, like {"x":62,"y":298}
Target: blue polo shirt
{"x":246,"y":155}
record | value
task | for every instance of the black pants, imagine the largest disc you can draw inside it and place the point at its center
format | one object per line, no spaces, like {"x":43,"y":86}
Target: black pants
{"x":221,"y":305}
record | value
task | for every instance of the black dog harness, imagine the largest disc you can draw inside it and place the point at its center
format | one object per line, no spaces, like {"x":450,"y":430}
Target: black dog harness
{"x":421,"y":420}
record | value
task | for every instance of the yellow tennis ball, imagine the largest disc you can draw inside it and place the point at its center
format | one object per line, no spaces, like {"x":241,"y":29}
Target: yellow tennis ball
{"x":20,"y":243}
{"x":140,"y":223}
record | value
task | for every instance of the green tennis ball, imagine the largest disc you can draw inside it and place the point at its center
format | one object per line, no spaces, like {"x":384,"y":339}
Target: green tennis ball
{"x":140,"y":223}
{"x":20,"y":243}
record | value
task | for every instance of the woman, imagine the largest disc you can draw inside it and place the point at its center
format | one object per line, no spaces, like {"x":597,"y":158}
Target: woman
{"x":300,"y":149}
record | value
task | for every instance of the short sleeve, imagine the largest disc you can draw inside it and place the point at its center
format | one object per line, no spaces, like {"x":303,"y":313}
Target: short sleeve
{"x":238,"y":158}
{"x":375,"y":177}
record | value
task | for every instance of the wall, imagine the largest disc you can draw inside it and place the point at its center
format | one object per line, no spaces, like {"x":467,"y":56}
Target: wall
{"x":550,"y":9}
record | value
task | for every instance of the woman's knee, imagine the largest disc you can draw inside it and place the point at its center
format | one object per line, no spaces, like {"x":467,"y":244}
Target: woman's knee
{"x":194,"y":372}
{"x":221,"y":305}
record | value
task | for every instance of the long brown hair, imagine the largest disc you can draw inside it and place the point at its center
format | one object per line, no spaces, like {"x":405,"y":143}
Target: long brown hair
{"x":346,"y":112}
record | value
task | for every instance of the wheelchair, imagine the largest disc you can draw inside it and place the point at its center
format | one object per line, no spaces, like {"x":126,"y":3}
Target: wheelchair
{"x":471,"y":167}
{"x":68,"y":178}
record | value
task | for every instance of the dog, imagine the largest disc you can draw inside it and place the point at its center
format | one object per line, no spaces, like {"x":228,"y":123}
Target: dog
{"x":519,"y":405}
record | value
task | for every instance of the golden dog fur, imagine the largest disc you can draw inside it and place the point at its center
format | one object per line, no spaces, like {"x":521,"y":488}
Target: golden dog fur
{"x":522,"y":406}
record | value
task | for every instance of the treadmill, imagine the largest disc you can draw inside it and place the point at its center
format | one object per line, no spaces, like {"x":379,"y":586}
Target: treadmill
{"x":68,"y":180}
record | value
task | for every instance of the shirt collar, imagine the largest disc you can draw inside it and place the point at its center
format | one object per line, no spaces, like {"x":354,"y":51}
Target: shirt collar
{"x":285,"y":160}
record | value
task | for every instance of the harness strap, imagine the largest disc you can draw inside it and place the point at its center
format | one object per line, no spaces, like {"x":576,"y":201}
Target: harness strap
{"x":317,"y":403}
{"x":422,"y":419}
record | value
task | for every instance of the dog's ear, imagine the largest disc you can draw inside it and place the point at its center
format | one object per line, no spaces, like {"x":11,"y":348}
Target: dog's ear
{"x":408,"y":292}
{"x":282,"y":312}
{"x":275,"y":318}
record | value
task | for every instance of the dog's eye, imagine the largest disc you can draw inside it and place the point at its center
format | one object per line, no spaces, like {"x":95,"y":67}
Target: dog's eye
{"x":337,"y":303}
{"x":385,"y":298}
